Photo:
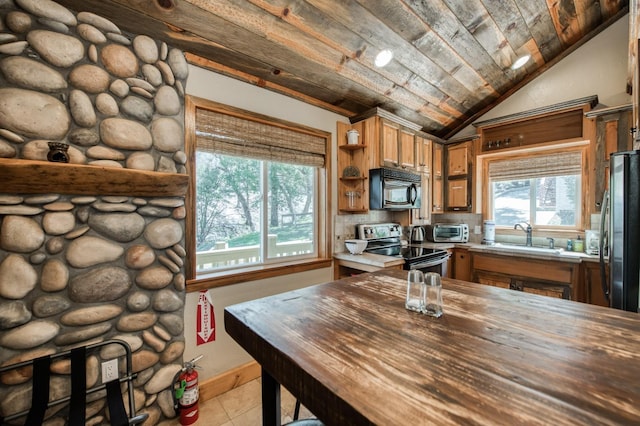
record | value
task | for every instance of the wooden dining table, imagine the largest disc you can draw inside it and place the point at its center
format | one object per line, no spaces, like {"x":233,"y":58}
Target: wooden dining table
{"x":353,"y":355}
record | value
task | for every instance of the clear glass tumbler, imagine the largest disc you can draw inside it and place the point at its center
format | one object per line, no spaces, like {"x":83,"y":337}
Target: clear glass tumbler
{"x":416,"y":291}
{"x":433,"y":290}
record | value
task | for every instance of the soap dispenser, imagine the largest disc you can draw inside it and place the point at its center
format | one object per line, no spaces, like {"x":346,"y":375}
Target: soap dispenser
{"x":578,"y":244}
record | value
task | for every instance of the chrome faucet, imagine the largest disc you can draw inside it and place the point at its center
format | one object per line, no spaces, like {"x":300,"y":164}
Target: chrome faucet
{"x":527,"y":231}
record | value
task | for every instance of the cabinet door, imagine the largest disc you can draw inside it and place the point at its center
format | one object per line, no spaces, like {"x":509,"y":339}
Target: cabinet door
{"x":462,"y":265}
{"x":407,"y":149}
{"x":592,"y":284}
{"x":437,"y":199}
{"x":423,"y":153}
{"x":437,"y":160}
{"x":457,"y":194}
{"x":389,"y":144}
{"x":423,"y":214}
{"x":457,"y":160}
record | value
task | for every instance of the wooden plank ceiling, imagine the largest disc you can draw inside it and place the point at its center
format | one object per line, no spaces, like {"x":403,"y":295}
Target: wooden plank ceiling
{"x":451,"y":59}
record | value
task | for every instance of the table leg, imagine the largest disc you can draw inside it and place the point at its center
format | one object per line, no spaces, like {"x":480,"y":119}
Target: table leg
{"x":270,"y":400}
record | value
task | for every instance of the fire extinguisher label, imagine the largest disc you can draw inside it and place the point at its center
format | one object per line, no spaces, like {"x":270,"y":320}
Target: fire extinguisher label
{"x":189,"y":397}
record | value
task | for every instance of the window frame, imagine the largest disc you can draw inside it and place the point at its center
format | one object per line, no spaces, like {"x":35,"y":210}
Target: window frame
{"x":581,"y":146}
{"x":198,"y":281}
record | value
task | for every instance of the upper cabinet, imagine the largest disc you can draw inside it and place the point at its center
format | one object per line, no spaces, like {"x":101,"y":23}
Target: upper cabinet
{"x":458,"y":157}
{"x":391,"y":139}
{"x":424,"y":146}
{"x":397,"y":145}
{"x":437,"y":180}
{"x":459,"y":161}
{"x":612,"y":135}
{"x":423,"y":153}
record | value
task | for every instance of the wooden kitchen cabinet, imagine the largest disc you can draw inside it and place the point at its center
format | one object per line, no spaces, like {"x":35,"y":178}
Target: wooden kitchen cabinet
{"x":612,"y":135}
{"x":389,"y":146}
{"x":423,"y":214}
{"x":437,"y":180}
{"x":591,"y":284}
{"x":462,"y":264}
{"x":458,"y":159}
{"x":450,"y":264}
{"x":390,"y":139}
{"x":424,"y":147}
{"x":458,"y":175}
{"x":397,"y":146}
{"x":457,"y":194}
{"x":540,"y":276}
{"x":423,"y":154}
{"x":407,"y":149}
{"x":353,"y":170}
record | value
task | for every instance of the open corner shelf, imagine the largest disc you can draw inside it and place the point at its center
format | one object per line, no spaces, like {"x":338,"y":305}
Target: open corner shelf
{"x":352,"y":147}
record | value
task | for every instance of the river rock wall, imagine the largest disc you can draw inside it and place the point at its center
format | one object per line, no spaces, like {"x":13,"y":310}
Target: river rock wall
{"x":77,"y":269}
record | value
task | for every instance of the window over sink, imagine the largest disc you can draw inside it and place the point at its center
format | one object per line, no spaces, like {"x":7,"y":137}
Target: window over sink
{"x":541,"y":187}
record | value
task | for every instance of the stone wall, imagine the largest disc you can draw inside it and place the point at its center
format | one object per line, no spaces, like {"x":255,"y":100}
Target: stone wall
{"x":76,"y":269}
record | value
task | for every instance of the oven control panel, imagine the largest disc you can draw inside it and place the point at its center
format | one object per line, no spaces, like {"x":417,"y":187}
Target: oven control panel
{"x":379,"y":230}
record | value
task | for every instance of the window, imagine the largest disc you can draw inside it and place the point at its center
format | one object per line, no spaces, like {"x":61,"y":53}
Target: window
{"x":543,"y":189}
{"x":260,"y":190}
{"x":250,"y":211}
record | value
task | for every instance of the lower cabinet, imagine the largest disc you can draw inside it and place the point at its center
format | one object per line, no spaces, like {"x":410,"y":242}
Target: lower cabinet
{"x":461,"y":264}
{"x":591,"y":284}
{"x":545,"y":277}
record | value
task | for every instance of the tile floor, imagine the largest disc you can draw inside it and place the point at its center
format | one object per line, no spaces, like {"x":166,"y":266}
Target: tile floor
{"x":242,"y":407}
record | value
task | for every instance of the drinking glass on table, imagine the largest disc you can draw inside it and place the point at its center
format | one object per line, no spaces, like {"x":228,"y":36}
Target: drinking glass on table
{"x":416,"y":291}
{"x":433,"y":290}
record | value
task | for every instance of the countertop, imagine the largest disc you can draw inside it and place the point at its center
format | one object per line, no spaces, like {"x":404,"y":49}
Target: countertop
{"x":387,"y":261}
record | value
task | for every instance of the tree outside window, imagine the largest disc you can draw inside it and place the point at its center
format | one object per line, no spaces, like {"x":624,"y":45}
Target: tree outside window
{"x":249,"y":211}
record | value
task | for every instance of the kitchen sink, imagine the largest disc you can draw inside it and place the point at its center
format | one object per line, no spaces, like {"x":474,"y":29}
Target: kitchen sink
{"x":524,"y":249}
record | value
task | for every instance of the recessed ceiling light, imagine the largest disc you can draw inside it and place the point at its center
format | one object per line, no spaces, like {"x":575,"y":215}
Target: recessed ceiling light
{"x":383,"y":58}
{"x":519,"y":63}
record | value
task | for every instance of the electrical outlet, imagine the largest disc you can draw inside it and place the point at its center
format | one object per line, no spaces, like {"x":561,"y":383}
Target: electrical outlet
{"x":109,"y":370}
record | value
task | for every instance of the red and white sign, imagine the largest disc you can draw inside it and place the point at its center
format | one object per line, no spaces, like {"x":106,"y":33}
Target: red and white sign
{"x":206,"y":327}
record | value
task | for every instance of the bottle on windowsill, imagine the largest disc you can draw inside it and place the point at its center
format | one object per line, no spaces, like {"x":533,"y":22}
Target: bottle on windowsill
{"x":578,"y":244}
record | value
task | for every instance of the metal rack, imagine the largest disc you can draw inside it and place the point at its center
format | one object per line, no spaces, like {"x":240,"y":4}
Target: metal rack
{"x":128,"y":378}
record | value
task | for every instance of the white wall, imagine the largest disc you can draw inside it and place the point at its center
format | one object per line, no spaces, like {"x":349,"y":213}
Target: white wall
{"x":224,"y":354}
{"x":599,"y":67}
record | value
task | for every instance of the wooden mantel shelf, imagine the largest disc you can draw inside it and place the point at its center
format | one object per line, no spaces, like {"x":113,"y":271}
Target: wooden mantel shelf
{"x":38,"y":177}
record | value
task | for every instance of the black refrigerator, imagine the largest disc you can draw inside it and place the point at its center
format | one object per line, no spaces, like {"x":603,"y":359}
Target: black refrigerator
{"x":623,"y":233}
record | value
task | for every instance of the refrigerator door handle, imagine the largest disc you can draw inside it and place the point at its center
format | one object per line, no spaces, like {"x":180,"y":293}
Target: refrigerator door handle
{"x":604,"y":230}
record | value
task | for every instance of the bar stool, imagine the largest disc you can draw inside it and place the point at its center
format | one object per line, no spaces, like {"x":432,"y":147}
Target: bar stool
{"x":302,"y":422}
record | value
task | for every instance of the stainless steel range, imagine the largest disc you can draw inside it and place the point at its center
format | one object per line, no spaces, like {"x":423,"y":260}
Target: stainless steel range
{"x":386,"y":239}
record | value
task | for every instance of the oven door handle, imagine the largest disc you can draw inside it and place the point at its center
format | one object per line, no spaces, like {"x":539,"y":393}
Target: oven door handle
{"x":430,"y":263}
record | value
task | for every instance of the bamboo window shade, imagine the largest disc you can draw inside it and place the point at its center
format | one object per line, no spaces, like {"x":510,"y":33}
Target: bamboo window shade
{"x":556,"y":164}
{"x":221,"y":133}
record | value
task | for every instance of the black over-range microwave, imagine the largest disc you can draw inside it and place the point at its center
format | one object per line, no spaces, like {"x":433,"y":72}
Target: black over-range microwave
{"x":394,"y":189}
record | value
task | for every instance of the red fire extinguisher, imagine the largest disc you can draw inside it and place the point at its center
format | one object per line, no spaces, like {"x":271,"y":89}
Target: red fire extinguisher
{"x":188,"y":393}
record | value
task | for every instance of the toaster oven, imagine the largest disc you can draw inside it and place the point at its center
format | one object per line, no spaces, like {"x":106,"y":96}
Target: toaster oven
{"x":448,"y":233}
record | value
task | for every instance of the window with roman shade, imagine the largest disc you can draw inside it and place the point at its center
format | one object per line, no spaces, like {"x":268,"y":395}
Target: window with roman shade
{"x":543,"y":188}
{"x":238,"y":136}
{"x":261,"y":187}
